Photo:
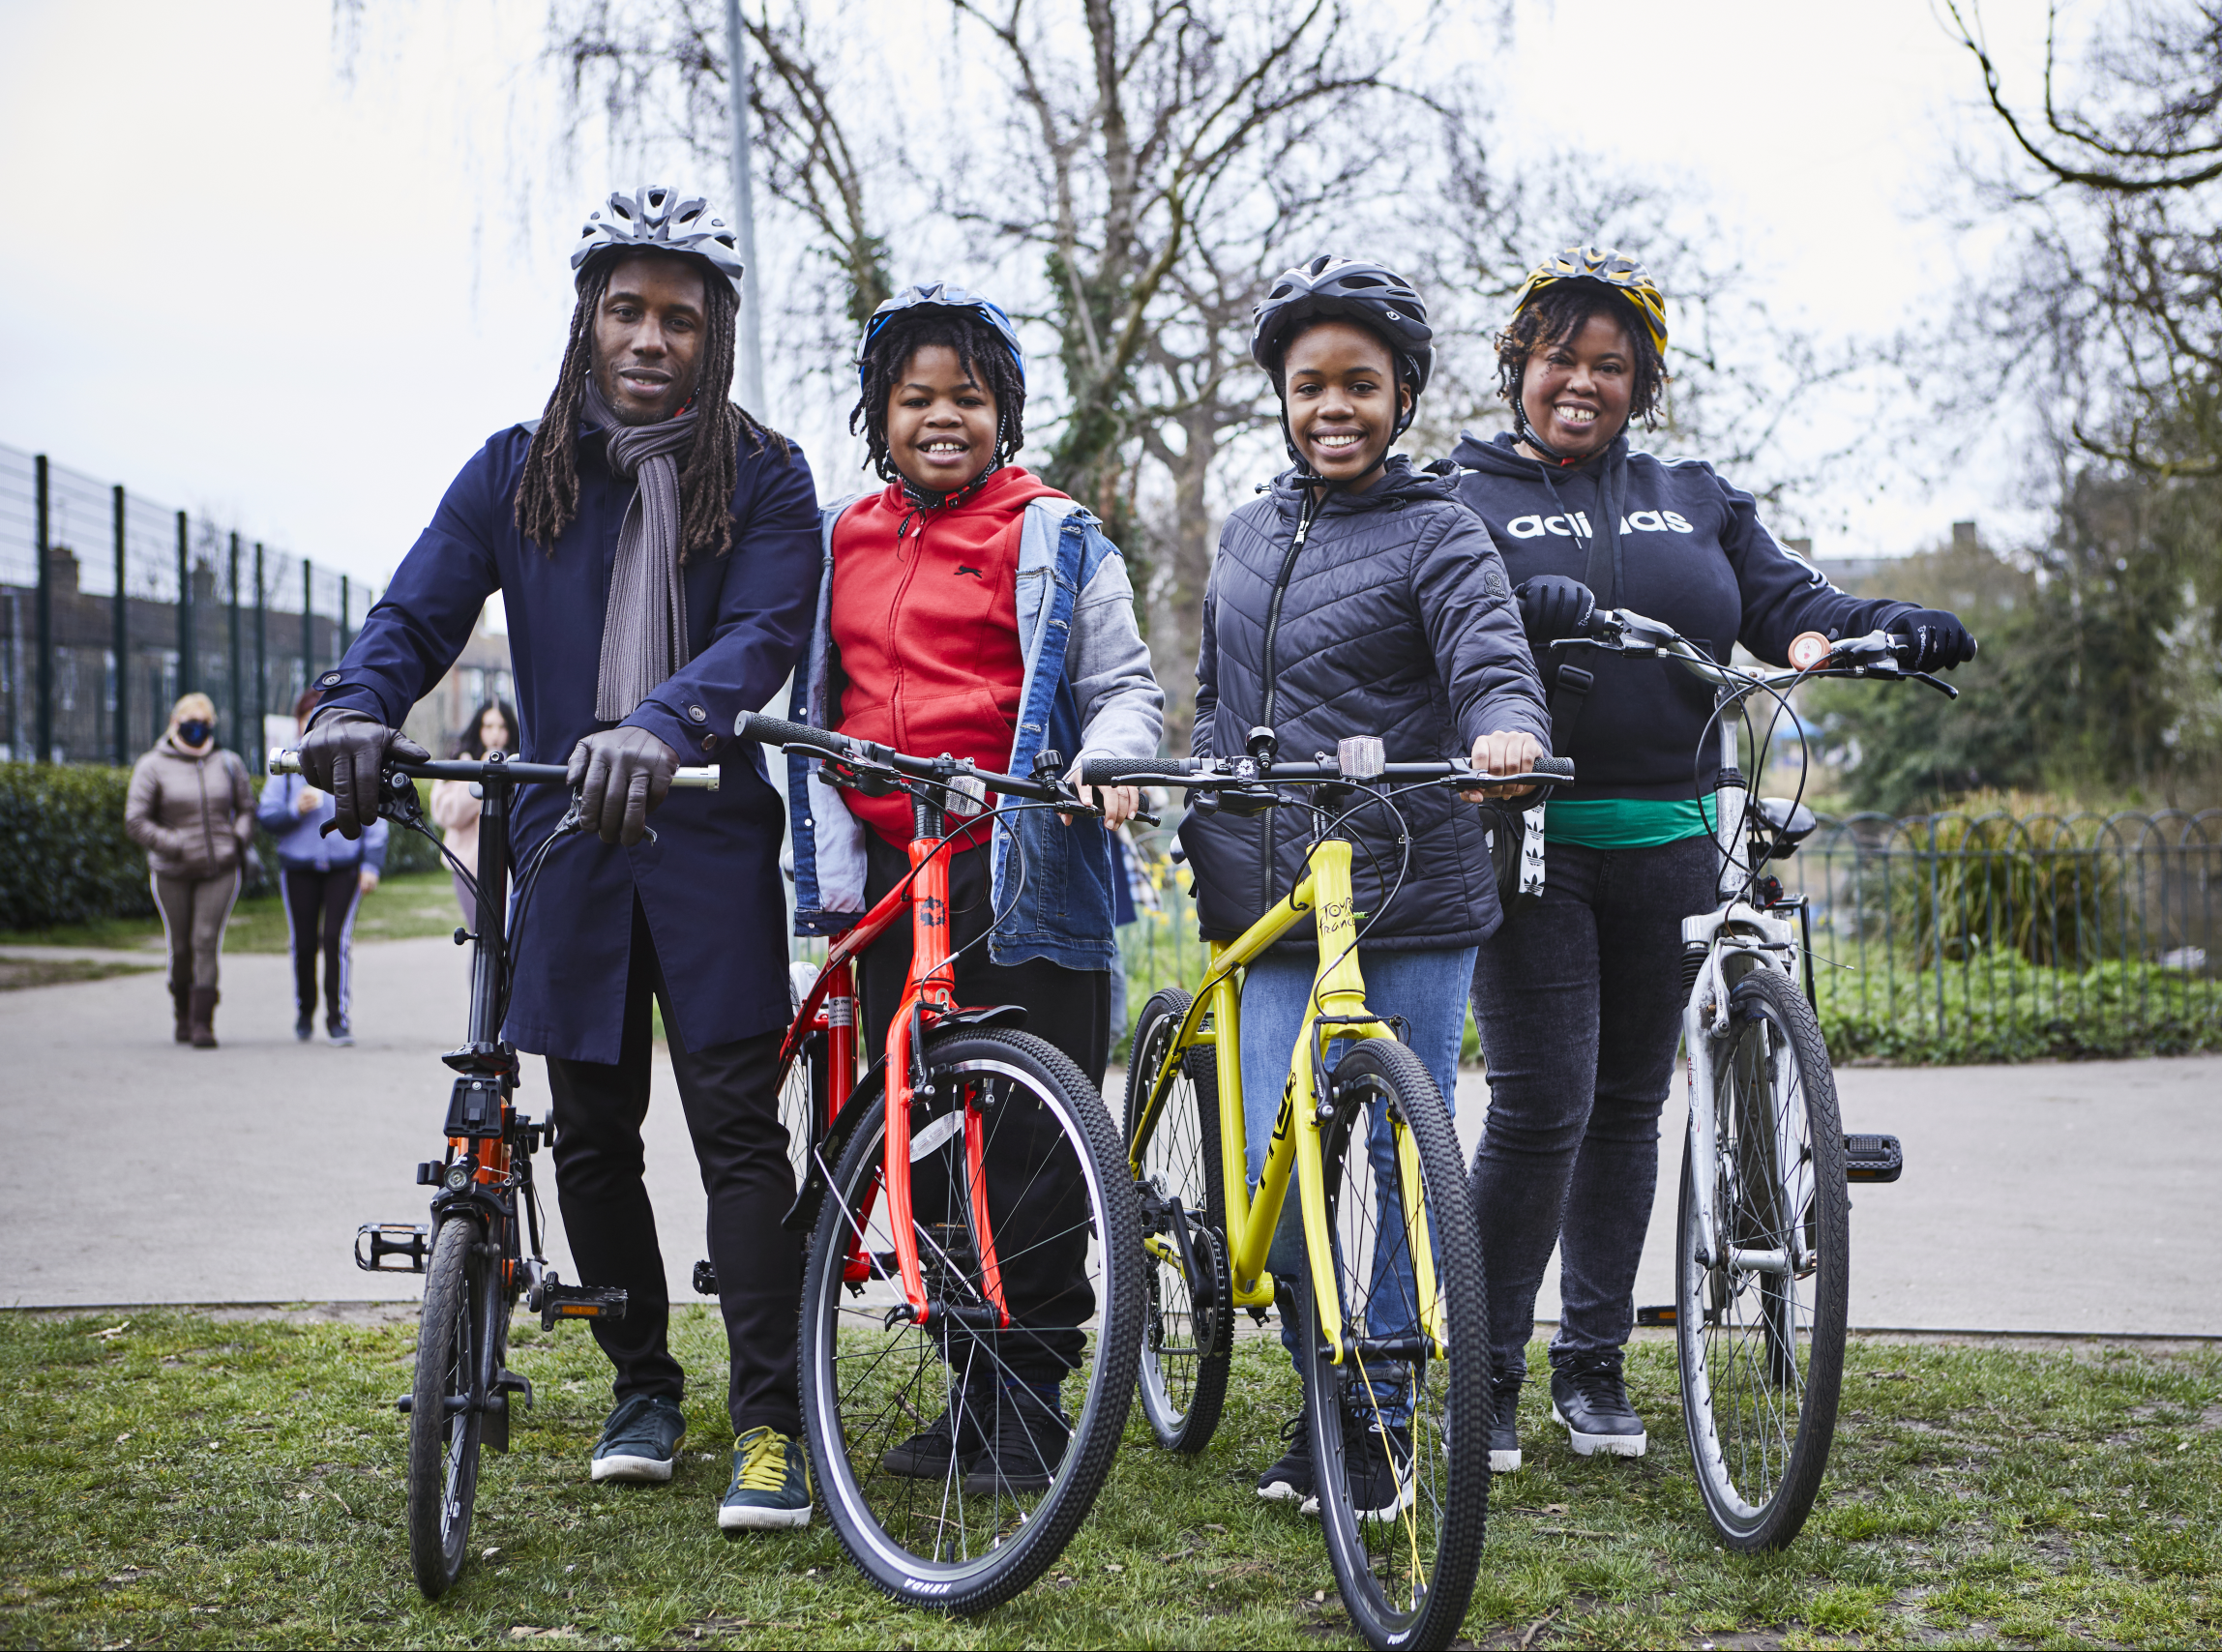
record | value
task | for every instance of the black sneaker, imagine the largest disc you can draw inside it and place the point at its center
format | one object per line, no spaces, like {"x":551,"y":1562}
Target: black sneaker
{"x":305,"y":1028}
{"x":336,"y":1027}
{"x":1376,"y":1466}
{"x":1504,"y":1424}
{"x":640,"y":1439}
{"x":928,"y":1454}
{"x":1290,"y":1479}
{"x":1027,"y":1439}
{"x":1589,"y":1399}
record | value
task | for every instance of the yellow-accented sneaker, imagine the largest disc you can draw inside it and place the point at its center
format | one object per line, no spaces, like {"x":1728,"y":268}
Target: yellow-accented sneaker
{"x":771,"y":1485}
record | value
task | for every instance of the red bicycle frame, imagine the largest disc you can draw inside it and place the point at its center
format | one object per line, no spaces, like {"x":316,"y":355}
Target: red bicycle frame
{"x":928,"y":994}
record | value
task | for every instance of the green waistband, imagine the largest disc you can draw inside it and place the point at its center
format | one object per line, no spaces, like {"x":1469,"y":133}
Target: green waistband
{"x":1626,"y":822}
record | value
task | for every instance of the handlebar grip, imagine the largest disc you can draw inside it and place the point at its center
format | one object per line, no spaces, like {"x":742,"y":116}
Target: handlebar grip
{"x":778,"y":731}
{"x":1560,"y":768}
{"x":697,"y":779}
{"x":1114,"y":770}
{"x":282,"y":761}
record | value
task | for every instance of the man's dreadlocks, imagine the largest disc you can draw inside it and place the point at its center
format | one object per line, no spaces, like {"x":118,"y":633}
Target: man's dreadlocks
{"x":547,"y":495}
{"x":987,"y":361}
{"x":1561,"y":310}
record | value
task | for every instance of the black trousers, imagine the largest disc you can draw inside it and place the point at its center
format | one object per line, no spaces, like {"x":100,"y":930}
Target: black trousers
{"x":320,"y":916}
{"x":731,"y":1097}
{"x":1036,"y":1200}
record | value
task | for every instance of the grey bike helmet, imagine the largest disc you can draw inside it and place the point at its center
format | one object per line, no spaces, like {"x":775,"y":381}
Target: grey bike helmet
{"x":1345,"y":289}
{"x":657,"y":219}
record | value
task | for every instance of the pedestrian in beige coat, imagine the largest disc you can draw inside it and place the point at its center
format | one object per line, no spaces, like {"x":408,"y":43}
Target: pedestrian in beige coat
{"x":192,"y":809}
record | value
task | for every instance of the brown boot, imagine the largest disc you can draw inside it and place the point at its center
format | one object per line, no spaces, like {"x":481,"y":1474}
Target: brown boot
{"x":204,"y":1018}
{"x":181,"y":1000}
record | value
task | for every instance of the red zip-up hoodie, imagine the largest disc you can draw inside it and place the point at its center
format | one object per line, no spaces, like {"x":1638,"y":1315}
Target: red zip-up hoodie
{"x":926,"y":630}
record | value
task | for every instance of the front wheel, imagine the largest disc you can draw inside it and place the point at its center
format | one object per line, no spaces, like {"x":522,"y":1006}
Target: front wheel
{"x":1758,"y":1326}
{"x":957,"y":1459}
{"x":445,"y":1431}
{"x":1399,"y":1428}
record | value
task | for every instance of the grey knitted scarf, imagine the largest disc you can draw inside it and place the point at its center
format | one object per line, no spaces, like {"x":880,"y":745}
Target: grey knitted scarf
{"x":644,"y":626}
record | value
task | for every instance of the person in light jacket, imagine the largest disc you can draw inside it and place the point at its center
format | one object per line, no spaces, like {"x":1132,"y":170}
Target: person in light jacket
{"x":191,"y":808}
{"x":492,"y":727}
{"x":323,"y":877}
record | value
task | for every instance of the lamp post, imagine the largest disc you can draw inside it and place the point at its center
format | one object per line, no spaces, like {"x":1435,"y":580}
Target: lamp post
{"x":751,"y":362}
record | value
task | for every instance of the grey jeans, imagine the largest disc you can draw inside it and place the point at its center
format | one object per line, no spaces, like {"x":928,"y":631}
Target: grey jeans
{"x":193,"y":913}
{"x":1578,"y":1001}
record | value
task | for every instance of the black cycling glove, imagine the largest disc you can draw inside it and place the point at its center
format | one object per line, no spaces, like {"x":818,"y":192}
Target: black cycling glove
{"x":343,"y":754}
{"x":1552,"y":606}
{"x":1939,"y":640}
{"x":620,"y":774}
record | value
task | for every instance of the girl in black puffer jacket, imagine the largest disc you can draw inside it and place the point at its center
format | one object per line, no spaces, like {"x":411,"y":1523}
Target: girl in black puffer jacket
{"x":1357,"y":597}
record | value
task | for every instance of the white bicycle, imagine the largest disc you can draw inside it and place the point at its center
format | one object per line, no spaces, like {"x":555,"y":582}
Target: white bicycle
{"x":1762,"y":1262}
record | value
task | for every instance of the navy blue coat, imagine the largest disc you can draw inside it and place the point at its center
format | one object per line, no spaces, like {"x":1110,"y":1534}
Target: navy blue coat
{"x":710,"y":884}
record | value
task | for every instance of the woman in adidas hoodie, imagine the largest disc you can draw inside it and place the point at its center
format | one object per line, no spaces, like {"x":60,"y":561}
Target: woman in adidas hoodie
{"x":968,"y":608}
{"x":1577,"y":1000}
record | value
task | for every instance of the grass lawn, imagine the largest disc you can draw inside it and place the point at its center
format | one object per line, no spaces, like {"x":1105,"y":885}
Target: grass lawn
{"x":410,"y":904}
{"x":188,"y":1481}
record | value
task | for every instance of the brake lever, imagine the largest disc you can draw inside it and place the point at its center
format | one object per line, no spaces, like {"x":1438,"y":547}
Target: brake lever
{"x":1938,"y":683}
{"x":573,"y":821}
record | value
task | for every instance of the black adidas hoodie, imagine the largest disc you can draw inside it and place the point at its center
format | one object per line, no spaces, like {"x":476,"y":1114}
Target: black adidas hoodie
{"x":1679,"y":545}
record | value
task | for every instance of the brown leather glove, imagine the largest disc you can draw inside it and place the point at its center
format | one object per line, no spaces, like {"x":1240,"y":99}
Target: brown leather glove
{"x":620,"y":774}
{"x":343,"y":753}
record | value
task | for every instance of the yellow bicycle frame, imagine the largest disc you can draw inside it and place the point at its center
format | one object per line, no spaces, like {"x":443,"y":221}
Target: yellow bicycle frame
{"x":1337,"y":1010}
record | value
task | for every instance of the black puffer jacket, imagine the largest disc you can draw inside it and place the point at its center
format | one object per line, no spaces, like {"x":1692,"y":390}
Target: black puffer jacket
{"x":1397,"y":620}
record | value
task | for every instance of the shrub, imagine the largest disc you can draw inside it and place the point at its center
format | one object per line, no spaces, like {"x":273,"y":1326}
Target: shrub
{"x":64,"y":858}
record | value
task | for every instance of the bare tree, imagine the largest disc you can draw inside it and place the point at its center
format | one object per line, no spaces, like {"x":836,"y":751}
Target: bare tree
{"x":2118,"y":267}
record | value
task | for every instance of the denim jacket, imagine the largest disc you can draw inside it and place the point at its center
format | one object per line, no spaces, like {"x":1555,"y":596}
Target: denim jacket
{"x":1088,"y":688}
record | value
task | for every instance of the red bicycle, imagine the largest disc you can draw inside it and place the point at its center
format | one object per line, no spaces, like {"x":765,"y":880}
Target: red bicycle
{"x":973,"y":1301}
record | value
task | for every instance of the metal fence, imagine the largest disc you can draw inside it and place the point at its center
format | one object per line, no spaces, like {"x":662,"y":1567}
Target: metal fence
{"x":1947,"y":938}
{"x":112,"y":605}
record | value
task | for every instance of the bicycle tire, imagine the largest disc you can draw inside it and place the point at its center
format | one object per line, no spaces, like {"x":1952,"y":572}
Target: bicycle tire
{"x":870,"y":1379}
{"x":444,"y":1442}
{"x":1185,"y":1356}
{"x":1406,"y":1577}
{"x":1758,"y":1399}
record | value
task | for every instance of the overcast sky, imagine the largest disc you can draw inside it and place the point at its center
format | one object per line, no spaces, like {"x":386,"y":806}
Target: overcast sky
{"x":243,"y":283}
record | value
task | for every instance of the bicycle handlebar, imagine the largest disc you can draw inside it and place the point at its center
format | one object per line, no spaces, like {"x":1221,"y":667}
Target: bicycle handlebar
{"x":288,"y":762}
{"x":1878,"y":654}
{"x":1211,"y":774}
{"x":778,"y":731}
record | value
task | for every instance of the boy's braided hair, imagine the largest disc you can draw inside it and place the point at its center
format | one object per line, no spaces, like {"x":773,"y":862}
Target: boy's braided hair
{"x":986,"y":357}
{"x":548,"y":494}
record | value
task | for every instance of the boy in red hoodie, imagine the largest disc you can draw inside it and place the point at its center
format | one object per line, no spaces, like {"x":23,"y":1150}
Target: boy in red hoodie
{"x":968,"y":608}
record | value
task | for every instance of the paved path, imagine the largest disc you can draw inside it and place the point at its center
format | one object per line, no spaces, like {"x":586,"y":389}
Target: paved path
{"x":2052,"y":1198}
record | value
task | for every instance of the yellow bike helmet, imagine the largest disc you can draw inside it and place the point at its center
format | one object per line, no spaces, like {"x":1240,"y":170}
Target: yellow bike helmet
{"x":1616,"y":270}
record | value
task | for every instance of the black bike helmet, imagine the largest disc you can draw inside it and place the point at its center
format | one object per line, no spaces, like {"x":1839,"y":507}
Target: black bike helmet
{"x":1347,"y":289}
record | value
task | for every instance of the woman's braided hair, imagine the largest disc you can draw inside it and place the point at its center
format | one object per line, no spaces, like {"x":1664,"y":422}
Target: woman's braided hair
{"x":1555,"y":315}
{"x":548,"y":494}
{"x":986,"y":357}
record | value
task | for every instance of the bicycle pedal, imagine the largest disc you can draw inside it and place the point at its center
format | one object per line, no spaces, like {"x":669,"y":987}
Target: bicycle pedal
{"x":1873,"y":1158}
{"x":410,"y":1241}
{"x":705,"y":1279}
{"x":1659,"y":1314}
{"x":560,"y":1301}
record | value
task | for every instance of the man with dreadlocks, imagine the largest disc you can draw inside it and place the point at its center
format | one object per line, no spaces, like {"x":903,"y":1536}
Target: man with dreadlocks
{"x":654,"y":547}
{"x":971,"y":609}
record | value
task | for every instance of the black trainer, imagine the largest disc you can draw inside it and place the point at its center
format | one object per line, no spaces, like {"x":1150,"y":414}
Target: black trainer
{"x":1026,"y":1440}
{"x":1290,"y":1479}
{"x":305,"y":1028}
{"x":1504,"y":1424}
{"x":1376,"y":1466}
{"x":928,"y":1454}
{"x":1589,"y":1399}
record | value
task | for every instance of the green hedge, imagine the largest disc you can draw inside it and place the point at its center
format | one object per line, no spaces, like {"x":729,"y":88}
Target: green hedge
{"x":64,"y":858}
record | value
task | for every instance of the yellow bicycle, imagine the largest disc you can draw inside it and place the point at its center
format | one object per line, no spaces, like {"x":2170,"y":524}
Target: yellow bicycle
{"x":1392,"y":1330}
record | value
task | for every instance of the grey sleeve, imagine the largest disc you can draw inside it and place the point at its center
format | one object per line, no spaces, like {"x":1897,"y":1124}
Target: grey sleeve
{"x":1123,"y":709}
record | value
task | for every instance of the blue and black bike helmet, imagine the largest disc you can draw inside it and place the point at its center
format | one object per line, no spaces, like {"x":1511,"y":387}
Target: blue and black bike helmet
{"x":915,"y":303}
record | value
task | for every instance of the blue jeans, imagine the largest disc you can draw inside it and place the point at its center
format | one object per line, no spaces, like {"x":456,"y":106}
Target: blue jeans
{"x":1429,"y":990}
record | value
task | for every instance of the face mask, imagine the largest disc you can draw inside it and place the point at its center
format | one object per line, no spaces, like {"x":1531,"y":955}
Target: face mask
{"x":192,"y":732}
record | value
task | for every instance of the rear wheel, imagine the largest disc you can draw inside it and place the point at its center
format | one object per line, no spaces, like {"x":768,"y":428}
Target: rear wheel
{"x":445,"y":1433}
{"x":1760,"y":1328}
{"x":1188,"y":1322}
{"x":957,"y":1460}
{"x":1400,"y":1428}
